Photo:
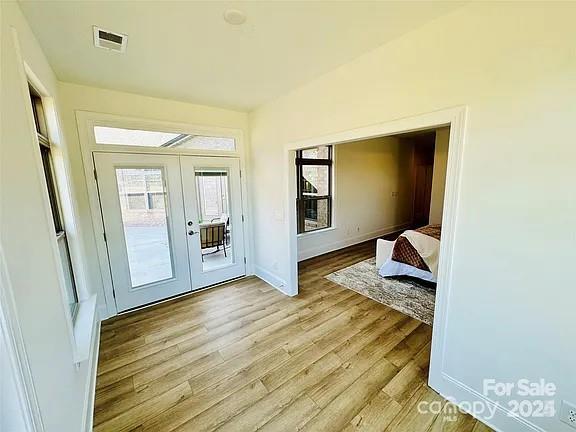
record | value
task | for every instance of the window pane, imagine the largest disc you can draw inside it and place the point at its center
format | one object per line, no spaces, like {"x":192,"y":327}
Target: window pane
{"x":208,"y":143}
{"x":47,"y":165}
{"x":315,"y":180}
{"x":316,"y":214}
{"x":215,"y":226}
{"x":143,"y":138}
{"x":136,"y":201}
{"x":118,"y":136}
{"x":143,"y":200}
{"x":156,"y":200}
{"x":69,"y":282}
{"x":322,"y":152}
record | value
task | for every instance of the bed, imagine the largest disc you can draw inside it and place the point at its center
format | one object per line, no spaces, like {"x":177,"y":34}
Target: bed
{"x":414,"y":253}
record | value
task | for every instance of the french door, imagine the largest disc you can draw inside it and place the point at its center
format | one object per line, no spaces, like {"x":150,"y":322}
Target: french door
{"x":215,"y":235}
{"x":173,"y":223}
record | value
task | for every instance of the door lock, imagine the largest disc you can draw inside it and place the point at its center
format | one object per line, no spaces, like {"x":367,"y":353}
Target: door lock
{"x":190,"y":223}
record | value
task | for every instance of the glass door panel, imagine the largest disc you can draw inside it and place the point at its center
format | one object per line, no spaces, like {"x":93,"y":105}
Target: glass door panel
{"x":212,"y":197}
{"x":143,"y":197}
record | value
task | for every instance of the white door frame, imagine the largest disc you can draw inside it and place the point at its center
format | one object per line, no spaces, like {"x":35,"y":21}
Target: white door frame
{"x":86,"y":120}
{"x":456,"y":119}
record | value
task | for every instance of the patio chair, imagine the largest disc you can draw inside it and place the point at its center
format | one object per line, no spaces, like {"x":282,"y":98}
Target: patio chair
{"x":225,"y":218}
{"x":212,"y":235}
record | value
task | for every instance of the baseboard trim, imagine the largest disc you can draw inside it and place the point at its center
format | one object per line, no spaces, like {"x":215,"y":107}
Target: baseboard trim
{"x":502,"y":421}
{"x":273,"y":279}
{"x":341,"y":244}
{"x":91,"y":387}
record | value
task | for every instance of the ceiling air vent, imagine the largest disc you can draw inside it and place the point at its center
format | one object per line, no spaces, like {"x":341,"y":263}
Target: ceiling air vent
{"x":110,"y":40}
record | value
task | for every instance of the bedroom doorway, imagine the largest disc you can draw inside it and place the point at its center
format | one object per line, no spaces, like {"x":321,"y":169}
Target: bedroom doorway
{"x":402,"y":181}
{"x":453,"y":119}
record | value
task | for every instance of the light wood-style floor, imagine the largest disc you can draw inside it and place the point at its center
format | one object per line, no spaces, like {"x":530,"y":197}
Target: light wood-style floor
{"x":243,"y":357}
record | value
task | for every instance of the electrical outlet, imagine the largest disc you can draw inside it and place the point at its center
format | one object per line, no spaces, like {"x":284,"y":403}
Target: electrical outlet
{"x":568,"y":413}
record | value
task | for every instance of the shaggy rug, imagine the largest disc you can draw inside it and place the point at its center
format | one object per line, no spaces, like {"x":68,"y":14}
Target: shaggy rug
{"x":407,"y":295}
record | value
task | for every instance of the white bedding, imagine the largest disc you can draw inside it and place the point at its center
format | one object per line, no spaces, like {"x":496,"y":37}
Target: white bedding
{"x":428,"y":248}
{"x":393,"y":268}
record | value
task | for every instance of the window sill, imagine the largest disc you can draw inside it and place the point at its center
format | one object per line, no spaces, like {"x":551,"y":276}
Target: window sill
{"x":84,"y":326}
{"x":323,"y":230}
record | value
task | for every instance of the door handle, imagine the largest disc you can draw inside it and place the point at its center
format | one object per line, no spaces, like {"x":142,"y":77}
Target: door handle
{"x":191,"y":232}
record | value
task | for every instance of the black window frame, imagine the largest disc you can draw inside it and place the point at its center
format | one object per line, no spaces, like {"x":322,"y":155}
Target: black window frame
{"x":304,"y":201}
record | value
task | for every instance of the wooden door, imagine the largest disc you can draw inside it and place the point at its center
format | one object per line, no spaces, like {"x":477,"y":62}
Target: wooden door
{"x":423,"y":171}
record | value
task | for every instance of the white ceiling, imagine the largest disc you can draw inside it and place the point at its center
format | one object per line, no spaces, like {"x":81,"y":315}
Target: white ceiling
{"x":184,"y":50}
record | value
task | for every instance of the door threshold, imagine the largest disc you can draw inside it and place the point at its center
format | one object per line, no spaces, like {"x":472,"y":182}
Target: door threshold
{"x":177,"y":296}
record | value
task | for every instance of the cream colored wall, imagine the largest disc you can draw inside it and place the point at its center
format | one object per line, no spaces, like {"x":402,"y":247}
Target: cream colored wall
{"x":513,"y":65}
{"x":439,"y":174}
{"x":27,"y":236}
{"x":366,"y":173}
{"x":75,"y":97}
{"x":12,"y":418}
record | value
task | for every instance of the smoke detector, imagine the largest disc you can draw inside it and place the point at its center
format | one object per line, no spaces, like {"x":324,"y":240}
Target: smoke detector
{"x":110,"y":40}
{"x":234,"y":17}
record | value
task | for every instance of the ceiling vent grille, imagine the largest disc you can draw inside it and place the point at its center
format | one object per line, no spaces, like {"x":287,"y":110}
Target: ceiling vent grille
{"x":110,"y":40}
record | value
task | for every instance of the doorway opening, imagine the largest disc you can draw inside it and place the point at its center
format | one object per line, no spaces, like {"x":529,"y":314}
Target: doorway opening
{"x":453,"y":120}
{"x":388,"y":191}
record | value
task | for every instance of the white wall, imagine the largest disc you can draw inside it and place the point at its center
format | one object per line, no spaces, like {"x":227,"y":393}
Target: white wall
{"x":513,"y":65}
{"x":366,"y":173}
{"x":27,"y":236}
{"x":439,"y":174}
{"x":11,"y":415}
{"x":75,"y":97}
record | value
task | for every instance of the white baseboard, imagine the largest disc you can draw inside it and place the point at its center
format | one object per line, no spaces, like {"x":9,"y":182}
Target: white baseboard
{"x":502,"y":421}
{"x":91,"y":387}
{"x":273,"y":279}
{"x":340,"y":244}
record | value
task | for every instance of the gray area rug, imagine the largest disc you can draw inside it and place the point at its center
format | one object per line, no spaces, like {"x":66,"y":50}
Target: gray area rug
{"x":406,"y":295}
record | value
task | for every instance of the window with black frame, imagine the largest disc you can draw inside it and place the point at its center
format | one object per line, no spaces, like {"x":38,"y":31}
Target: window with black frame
{"x":48,"y":166}
{"x":314,"y":177}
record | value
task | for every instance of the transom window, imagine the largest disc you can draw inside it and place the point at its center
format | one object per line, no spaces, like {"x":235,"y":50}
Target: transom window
{"x":314,"y":177}
{"x":144,"y":138}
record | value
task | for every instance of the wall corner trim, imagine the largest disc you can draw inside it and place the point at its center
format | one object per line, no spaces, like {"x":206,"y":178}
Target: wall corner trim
{"x":88,"y":414}
{"x":274,"y":280}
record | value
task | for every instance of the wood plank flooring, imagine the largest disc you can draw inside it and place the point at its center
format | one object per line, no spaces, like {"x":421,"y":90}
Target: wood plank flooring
{"x":244,"y":357}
